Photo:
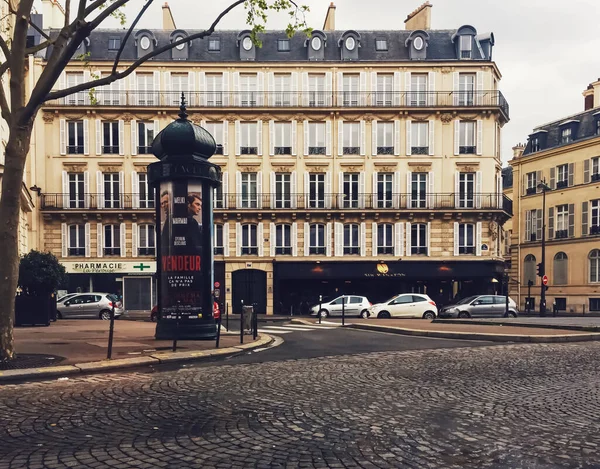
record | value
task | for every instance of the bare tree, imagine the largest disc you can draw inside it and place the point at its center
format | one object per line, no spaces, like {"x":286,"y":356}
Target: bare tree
{"x":19,"y":111}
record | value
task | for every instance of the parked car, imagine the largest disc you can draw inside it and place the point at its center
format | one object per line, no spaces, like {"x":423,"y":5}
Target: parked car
{"x":405,"y":305}
{"x":481,"y":306}
{"x":353,"y":306}
{"x":64,"y":298}
{"x":89,"y":305}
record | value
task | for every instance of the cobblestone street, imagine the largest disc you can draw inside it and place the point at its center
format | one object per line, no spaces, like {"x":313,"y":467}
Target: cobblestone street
{"x":510,"y":406}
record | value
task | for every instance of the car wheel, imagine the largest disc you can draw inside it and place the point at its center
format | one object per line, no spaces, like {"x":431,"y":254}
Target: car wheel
{"x":58,"y":315}
{"x":105,"y":315}
{"x":324,"y":313}
{"x":364,"y":314}
{"x":510,"y":315}
{"x":464,"y":314}
{"x":384,"y":315}
{"x":429,"y":315}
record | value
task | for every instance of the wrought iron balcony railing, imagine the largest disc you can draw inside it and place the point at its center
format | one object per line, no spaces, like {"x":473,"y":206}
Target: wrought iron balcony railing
{"x":91,"y":201}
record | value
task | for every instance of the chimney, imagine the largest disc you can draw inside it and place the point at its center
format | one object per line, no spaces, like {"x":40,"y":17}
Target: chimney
{"x":53,"y":14}
{"x":168,"y":21}
{"x":329,"y":24}
{"x":518,"y":150}
{"x":591,"y":96}
{"x":420,"y":18}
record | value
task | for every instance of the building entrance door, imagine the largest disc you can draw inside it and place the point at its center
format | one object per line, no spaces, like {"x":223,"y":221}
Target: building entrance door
{"x":249,"y":285}
{"x":137,"y":293}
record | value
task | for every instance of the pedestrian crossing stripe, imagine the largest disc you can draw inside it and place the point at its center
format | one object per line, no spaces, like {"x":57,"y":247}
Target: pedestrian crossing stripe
{"x":291,"y":328}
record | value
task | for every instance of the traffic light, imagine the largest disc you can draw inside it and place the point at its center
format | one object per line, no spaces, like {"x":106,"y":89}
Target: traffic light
{"x":540,"y":270}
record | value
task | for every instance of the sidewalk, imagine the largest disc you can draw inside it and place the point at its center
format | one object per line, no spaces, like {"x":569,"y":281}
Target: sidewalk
{"x":78,"y":346}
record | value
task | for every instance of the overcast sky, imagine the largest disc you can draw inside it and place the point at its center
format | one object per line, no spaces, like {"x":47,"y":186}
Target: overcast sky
{"x":548,"y":51}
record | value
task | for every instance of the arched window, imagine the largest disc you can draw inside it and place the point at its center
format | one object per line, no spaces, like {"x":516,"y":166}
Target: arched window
{"x":594,"y":258}
{"x":529,"y":269}
{"x":561,"y":269}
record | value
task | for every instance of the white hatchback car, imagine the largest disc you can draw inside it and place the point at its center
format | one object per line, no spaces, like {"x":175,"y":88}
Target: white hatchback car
{"x":405,"y":305}
{"x":353,"y":306}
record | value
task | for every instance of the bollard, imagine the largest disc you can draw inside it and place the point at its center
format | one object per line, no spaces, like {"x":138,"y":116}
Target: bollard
{"x":177,"y":316}
{"x":343,"y":310}
{"x":242,"y":326}
{"x":254,"y":325}
{"x":218,"y":331}
{"x":227,"y":316}
{"x":320,"y":303}
{"x":111,"y":331}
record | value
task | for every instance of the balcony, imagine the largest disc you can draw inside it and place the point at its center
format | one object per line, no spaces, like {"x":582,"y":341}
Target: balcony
{"x":89,"y":201}
{"x":293,"y":99}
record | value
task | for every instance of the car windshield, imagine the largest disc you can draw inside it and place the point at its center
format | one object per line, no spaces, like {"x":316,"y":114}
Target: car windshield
{"x":466,"y":300}
{"x":64,"y":297}
{"x":112,"y":297}
{"x":392,"y":298}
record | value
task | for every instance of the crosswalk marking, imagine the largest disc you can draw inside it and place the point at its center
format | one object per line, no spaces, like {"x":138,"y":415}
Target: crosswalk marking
{"x":292,"y":328}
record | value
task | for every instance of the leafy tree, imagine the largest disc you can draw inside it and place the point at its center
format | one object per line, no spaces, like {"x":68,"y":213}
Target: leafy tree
{"x":40,"y":273}
{"x":19,"y":111}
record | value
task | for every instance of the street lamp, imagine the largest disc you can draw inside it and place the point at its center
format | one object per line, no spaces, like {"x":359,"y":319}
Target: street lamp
{"x":542,"y":271}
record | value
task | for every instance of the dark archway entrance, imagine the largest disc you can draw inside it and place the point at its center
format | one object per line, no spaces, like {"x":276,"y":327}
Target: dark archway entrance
{"x":249,"y":285}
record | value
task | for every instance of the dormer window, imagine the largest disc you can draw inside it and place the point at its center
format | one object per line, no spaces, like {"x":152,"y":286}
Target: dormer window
{"x":246,"y":47}
{"x":466,"y":45}
{"x":145,"y":42}
{"x":381,"y":45}
{"x":316,"y":43}
{"x":180,"y":46}
{"x":566,"y":135}
{"x":568,"y":131}
{"x":114,"y":43}
{"x":214,"y":44}
{"x":283,"y":45}
{"x":349,"y":44}
{"x":464,"y":40}
{"x":418,"y":43}
{"x":535,"y":144}
{"x":247,"y":43}
{"x":597,"y":126}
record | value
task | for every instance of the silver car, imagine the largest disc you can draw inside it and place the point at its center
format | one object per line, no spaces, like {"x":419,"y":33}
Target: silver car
{"x":481,"y":306}
{"x":353,"y":306}
{"x":89,"y":305}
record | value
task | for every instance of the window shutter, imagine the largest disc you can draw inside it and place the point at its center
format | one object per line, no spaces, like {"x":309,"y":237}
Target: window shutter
{"x":479,"y":91}
{"x":571,"y":220}
{"x":584,"y":218}
{"x":294,"y":239}
{"x":272,"y":190}
{"x":226,"y":239}
{"x":306,"y":137}
{"x":431,"y":189}
{"x":259,"y":189}
{"x":538,"y":222}
{"x":528,"y":225}
{"x":456,"y":189}
{"x":261,"y":89}
{"x":374,"y":200}
{"x":260,"y":239}
{"x":362,"y":142}
{"x":431,"y":89}
{"x":225,"y":138}
{"x":408,"y":138}
{"x":328,"y":88}
{"x":456,"y":238}
{"x":99,"y":137}
{"x":571,"y":174}
{"x":340,"y":88}
{"x":86,"y":79}
{"x":397,"y":137}
{"x":236,"y":89}
{"x":328,"y":239}
{"x":123,"y":240}
{"x":294,"y":189}
{"x":339,"y":239}
{"x":373,"y":239}
{"x":328,"y":138}
{"x":396,"y":190}
{"x":586,"y":171}
{"x":156,"y":89}
{"x":328,"y":196}
{"x":167,"y":87}
{"x":373,"y":88}
{"x":363,"y":88}
{"x":341,"y":189}
{"x":226,"y":89}
{"x":191,"y":88}
{"x":271,"y":137}
{"x":374,"y":138}
{"x":478,"y":239}
{"x":294,"y":90}
{"x":456,"y":88}
{"x":86,"y":136}
{"x":225,"y":186}
{"x":407,"y":87}
{"x":361,"y":189}
{"x":134,"y":240}
{"x":133,"y":96}
{"x":363,"y":239}
{"x":408,"y":239}
{"x":428,"y":238}
{"x":156,"y":126}
{"x":100,"y":189}
{"x":63,"y":137}
{"x":456,"y":137}
{"x":524,"y":185}
{"x":135,"y":190}
{"x":65,"y":239}
{"x":201,"y":89}
{"x":306,"y":239}
{"x":552,"y":178}
{"x":238,"y":138}
{"x":408,"y":189}
{"x":397,"y":89}
{"x":305,"y":89}
{"x":431,"y":137}
{"x":479,"y":137}
{"x":306,"y":188}
{"x":294,"y":138}
{"x":340,"y":142}
{"x":62,"y":84}
{"x":99,"y":242}
{"x":399,"y":239}
{"x":538,"y":179}
{"x":134,"y":137}
{"x":478,"y":181}
{"x":65,"y":189}
{"x":238,"y":189}
{"x":86,"y":189}
{"x":87,"y":240}
{"x":121,"y":137}
{"x":122,"y":188}
{"x":238,"y":239}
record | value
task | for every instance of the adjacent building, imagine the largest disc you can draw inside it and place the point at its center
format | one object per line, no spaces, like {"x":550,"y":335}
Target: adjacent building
{"x":564,"y":155}
{"x":362,"y":162}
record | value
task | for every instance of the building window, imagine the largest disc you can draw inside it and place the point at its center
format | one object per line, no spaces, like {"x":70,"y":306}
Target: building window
{"x":351,"y":239}
{"x":594,"y":304}
{"x":533,"y":225}
{"x":316,"y":90}
{"x":214,"y":89}
{"x":595,"y":175}
{"x":381,"y":45}
{"x":110,"y":141}
{"x":466,"y":238}
{"x":216,"y":130}
{"x":283,"y":188}
{"x":249,"y":239}
{"x":112,"y":240}
{"x":385,"y":89}
{"x":316,"y":190}
{"x":385,"y":138}
{"x":112,"y":192}
{"x":562,"y":221}
{"x":179,"y":84}
{"x":146,"y":93}
{"x":146,"y":193}
{"x":560,"y":304}
{"x":531,"y":183}
{"x":385,"y":185}
{"x":145,"y":137}
{"x":283,"y":239}
{"x":418,"y":190}
{"x":147,"y":240}
{"x":74,"y":79}
{"x":418,"y":89}
{"x":562,"y":176}
{"x":595,"y":217}
{"x":350,"y":89}
{"x":111,"y":94}
{"x":351,"y":138}
{"x":467,"y":137}
{"x":350,"y":188}
{"x":218,"y":246}
{"x":283,"y":45}
{"x":597,"y":126}
{"x":466,"y":187}
{"x":76,"y":190}
{"x":249,"y":190}
{"x":282,"y":134}
{"x":214,"y":44}
{"x":249,"y":138}
{"x":419,"y":135}
{"x":466,"y":45}
{"x":418,"y":238}
{"x":566,"y":135}
{"x":594,"y":259}
{"x":385,"y":238}
{"x":466,"y":88}
{"x":535,"y":144}
{"x":114,"y":43}
{"x":561,"y":264}
{"x":248,"y":89}
{"x":75,"y":137}
{"x":529,"y":270}
{"x":282,"y":93}
{"x":76,"y":246}
{"x":317,"y":239}
{"x":316,"y":138}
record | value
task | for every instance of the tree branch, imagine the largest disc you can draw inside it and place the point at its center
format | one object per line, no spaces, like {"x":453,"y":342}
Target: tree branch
{"x":5,"y":49}
{"x":81,"y":9}
{"x":39,"y":47}
{"x":4,"y":108}
{"x":129,"y":31}
{"x":67,"y":12}
{"x":38,"y":29}
{"x":17,"y":58}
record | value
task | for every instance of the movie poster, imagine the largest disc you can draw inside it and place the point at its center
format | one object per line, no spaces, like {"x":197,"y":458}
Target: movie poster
{"x":181,"y":249}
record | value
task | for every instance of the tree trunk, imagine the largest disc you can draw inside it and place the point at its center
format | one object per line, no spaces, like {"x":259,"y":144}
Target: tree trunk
{"x":10,"y":207}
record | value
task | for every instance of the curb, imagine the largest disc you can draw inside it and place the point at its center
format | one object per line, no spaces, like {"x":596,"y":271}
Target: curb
{"x":480,"y":335}
{"x":40,"y":374}
{"x":567,"y":327}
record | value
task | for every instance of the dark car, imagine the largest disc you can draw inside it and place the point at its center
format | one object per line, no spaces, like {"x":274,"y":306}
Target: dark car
{"x":479,"y":306}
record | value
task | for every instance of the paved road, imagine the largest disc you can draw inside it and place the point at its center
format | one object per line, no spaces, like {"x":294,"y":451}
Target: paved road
{"x":508,"y":406}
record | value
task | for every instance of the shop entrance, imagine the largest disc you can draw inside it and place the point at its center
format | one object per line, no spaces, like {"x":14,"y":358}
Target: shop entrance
{"x":137,"y":293}
{"x":249,"y":285}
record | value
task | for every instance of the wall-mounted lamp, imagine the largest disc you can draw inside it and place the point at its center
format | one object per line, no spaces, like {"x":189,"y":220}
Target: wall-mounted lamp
{"x":36,"y":189}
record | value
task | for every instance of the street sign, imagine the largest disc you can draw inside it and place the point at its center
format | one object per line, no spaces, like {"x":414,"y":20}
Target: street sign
{"x":545,"y":280}
{"x":217,"y":293}
{"x":217,"y":284}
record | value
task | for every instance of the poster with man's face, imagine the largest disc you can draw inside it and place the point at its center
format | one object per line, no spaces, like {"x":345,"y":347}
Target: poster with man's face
{"x":181,"y":248}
